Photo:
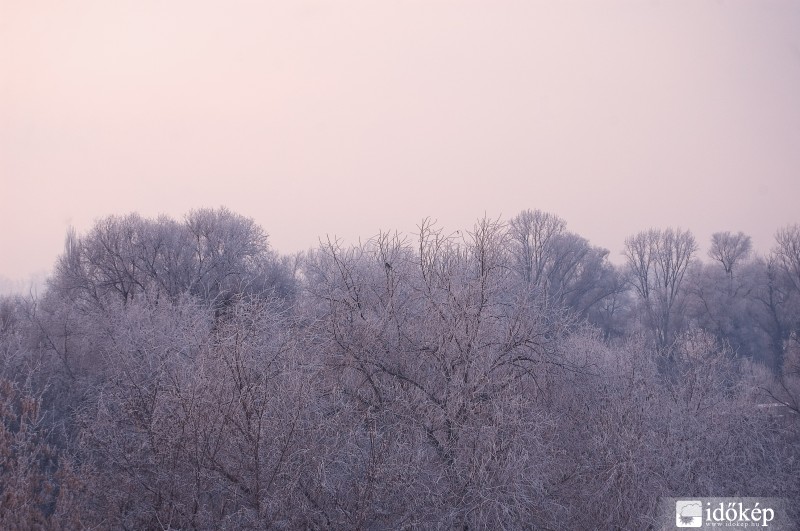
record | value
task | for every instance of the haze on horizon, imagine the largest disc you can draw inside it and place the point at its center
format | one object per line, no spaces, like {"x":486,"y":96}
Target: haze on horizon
{"x":348,"y":117}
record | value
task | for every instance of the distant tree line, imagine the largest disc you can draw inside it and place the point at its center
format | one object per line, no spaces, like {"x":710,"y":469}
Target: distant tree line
{"x":181,"y":374}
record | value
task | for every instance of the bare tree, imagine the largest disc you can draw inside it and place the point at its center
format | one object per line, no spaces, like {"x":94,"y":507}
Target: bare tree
{"x":558,"y":265}
{"x":215,"y":255}
{"x":445,"y":360}
{"x":199,"y":418}
{"x":657,"y":261}
{"x":787,"y":253}
{"x":729,"y":249}
{"x":532,"y":233}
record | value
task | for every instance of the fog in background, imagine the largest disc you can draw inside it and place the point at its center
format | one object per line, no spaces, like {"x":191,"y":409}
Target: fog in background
{"x":348,"y":117}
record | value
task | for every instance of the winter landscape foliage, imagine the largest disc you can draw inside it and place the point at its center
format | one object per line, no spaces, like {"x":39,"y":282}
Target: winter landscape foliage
{"x":181,"y":374}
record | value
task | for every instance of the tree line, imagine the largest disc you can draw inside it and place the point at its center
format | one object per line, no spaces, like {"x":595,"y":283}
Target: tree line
{"x":182,"y":374}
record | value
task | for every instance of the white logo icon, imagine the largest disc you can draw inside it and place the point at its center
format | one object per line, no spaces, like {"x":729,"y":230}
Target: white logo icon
{"x":689,"y":513}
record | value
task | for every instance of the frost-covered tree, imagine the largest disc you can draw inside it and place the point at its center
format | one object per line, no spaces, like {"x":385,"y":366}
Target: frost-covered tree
{"x":557,"y":265}
{"x":657,"y":263}
{"x":729,"y":249}
{"x":179,"y":374}
{"x":214,"y":255}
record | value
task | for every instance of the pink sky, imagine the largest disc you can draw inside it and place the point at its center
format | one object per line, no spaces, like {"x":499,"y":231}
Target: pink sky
{"x":346,"y":117}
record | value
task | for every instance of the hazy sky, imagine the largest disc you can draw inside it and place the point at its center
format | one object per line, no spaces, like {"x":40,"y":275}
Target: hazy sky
{"x":346,"y":117}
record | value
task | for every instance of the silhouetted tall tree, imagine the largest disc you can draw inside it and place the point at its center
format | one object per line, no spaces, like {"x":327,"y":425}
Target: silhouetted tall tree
{"x":657,"y":261}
